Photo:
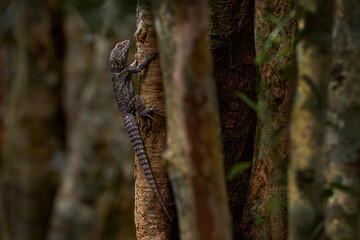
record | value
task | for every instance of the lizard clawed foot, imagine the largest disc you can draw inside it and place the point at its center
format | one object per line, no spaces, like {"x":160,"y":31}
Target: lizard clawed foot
{"x":152,"y":55}
{"x":152,"y":108}
{"x":147,"y":111}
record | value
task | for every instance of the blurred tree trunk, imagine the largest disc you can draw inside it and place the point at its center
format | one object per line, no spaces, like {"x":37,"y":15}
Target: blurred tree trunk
{"x":4,"y":228}
{"x":34,"y":127}
{"x":275,"y":50}
{"x":4,"y":54}
{"x":232,"y":45}
{"x":194,"y":147}
{"x":308,"y":119}
{"x":93,"y":201}
{"x":150,"y":220}
{"x":343,"y":135}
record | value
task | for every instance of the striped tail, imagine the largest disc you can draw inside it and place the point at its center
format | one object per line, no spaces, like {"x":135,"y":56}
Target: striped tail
{"x":138,"y":144}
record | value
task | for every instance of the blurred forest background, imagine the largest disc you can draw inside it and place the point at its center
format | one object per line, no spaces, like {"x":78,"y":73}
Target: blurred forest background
{"x":67,"y":165}
{"x":256,"y":137}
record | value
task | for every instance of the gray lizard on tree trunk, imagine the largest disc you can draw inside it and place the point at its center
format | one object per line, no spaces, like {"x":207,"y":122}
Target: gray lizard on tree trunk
{"x":129,"y":104}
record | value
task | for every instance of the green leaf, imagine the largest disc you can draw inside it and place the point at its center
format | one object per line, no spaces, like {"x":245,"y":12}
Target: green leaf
{"x":262,"y":111}
{"x":260,"y":107}
{"x":290,"y":71}
{"x":237,"y":169}
{"x":274,"y":204}
{"x":258,"y":221}
{"x":137,"y":30}
{"x":252,"y":104}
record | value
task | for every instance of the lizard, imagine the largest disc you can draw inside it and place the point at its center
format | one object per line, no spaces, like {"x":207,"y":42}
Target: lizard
{"x":129,"y":103}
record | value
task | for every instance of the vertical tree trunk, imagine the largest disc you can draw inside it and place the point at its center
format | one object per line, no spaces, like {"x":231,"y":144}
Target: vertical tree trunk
{"x":308,"y":120}
{"x":98,"y":168}
{"x":266,"y":203}
{"x":194,"y":148}
{"x":150,"y":220}
{"x":343,"y":138}
{"x":34,"y":131}
{"x":232,"y":45}
{"x":4,"y":57}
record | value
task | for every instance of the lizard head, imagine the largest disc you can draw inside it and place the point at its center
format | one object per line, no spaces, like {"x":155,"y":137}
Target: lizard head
{"x":119,"y":55}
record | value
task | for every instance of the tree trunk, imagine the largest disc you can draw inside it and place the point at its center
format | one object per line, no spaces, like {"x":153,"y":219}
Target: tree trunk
{"x":150,"y":219}
{"x":343,"y":138}
{"x":4,"y":57}
{"x":194,"y":147}
{"x":232,"y":45}
{"x":308,"y":120}
{"x":34,"y":131}
{"x":266,"y":203}
{"x":98,"y":169}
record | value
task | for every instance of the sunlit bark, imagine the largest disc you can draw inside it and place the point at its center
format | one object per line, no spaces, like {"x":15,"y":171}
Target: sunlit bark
{"x":150,"y":220}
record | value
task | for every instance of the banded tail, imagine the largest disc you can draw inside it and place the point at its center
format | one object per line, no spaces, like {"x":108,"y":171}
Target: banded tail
{"x":133,"y":131}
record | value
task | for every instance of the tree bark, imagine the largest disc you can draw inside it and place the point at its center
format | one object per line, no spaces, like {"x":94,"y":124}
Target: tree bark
{"x":194,"y":148}
{"x":34,"y":130}
{"x":233,"y":50}
{"x":275,"y":59}
{"x":150,"y":219}
{"x":308,"y":120}
{"x":343,"y":139}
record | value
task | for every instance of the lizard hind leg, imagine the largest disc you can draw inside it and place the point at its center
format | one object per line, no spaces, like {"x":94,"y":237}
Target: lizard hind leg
{"x":141,"y":109}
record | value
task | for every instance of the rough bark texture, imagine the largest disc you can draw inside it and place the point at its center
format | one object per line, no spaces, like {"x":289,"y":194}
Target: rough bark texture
{"x":34,"y":128}
{"x":343,"y":138}
{"x":232,"y":45}
{"x":194,"y":148}
{"x":266,"y":201}
{"x":98,"y":169}
{"x":150,"y":220}
{"x":308,"y":120}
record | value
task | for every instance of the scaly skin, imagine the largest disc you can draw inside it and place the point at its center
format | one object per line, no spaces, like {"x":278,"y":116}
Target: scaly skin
{"x":129,"y":104}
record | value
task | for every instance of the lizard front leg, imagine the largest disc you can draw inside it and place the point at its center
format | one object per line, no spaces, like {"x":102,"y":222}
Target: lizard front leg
{"x":132,"y":68}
